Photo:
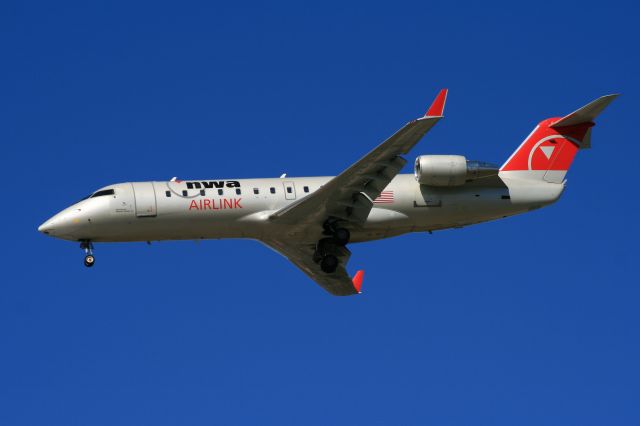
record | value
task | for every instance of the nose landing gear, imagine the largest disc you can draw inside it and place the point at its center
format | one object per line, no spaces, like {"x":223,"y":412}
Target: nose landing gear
{"x":89,"y":260}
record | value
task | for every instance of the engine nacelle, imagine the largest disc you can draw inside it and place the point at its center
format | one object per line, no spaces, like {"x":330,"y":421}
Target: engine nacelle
{"x":450,"y":170}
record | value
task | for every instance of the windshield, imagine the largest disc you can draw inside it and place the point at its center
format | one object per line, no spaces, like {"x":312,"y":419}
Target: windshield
{"x":98,"y":194}
{"x":103,"y":193}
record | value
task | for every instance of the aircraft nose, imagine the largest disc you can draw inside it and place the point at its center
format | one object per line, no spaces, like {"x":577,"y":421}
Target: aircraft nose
{"x":46,"y":227}
{"x":65,"y":224}
{"x":56,"y":224}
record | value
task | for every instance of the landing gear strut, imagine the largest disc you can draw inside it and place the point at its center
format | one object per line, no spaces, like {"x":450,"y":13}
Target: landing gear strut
{"x":89,"y":260}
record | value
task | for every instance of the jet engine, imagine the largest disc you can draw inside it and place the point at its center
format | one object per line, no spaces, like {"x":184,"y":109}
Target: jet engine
{"x":450,"y":170}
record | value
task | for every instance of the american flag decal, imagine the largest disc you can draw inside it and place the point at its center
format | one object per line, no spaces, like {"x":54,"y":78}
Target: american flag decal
{"x":386,"y":197}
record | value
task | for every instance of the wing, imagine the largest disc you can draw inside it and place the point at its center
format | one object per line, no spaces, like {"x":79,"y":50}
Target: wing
{"x":348,"y":197}
{"x":337,"y":283}
{"x":345,"y":202}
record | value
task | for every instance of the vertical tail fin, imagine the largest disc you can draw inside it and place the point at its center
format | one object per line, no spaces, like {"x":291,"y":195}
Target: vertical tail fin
{"x":549,"y":150}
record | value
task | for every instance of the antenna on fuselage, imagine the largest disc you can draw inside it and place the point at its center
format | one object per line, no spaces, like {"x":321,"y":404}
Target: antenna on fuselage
{"x":282,"y":176}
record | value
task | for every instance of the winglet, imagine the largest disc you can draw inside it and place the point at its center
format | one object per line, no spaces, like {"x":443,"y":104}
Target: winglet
{"x":357,"y":280}
{"x":437,"y":107}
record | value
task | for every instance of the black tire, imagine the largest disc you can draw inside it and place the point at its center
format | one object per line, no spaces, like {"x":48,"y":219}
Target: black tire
{"x":329,"y":264}
{"x":342,"y":236}
{"x":325,"y":246}
{"x":89,"y":261}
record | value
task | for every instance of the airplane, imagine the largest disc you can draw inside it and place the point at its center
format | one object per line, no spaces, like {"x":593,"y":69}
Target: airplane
{"x":312,"y":220}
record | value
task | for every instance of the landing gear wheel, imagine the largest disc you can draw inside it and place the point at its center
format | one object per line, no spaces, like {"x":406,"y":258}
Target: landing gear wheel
{"x":342,"y":236}
{"x":89,"y":260}
{"x":329,"y":264}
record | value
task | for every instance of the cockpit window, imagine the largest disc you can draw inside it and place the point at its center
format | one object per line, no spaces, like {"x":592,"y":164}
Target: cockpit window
{"x":103,"y":192}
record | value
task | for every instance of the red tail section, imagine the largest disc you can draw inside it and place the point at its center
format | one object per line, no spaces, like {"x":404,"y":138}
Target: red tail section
{"x":549,"y":150}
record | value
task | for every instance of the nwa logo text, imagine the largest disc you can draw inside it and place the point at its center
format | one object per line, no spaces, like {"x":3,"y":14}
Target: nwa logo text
{"x":213,"y":184}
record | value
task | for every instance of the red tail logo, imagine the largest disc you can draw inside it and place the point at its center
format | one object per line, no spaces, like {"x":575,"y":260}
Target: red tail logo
{"x":548,"y":148}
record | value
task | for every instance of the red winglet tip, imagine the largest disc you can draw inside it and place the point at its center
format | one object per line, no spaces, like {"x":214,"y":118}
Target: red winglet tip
{"x":437,"y":107}
{"x":357,"y":280}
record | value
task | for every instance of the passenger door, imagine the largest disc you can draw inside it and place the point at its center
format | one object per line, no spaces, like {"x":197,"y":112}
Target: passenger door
{"x":145,"y":199}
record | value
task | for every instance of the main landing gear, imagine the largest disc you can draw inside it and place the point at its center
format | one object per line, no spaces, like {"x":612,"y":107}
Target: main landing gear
{"x":342,"y":236}
{"x":89,"y":260}
{"x":330,"y":248}
{"x":329,"y":264}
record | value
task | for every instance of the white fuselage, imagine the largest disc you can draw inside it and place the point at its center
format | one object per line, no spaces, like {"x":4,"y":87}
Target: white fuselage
{"x":178,"y":210}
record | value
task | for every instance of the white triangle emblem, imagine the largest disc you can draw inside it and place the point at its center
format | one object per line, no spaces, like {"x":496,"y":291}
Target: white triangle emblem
{"x":547,"y":150}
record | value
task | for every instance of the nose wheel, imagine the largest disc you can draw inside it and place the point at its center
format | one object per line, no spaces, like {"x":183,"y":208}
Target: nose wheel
{"x":89,"y":260}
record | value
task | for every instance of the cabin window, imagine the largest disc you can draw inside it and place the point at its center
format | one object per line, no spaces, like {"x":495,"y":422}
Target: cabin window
{"x":306,"y":189}
{"x":103,"y":192}
{"x":238,"y":191}
{"x":256,"y":191}
{"x":168,"y":193}
{"x":289,"y":189}
{"x":272,"y":190}
{"x":184,"y":192}
{"x":220,"y":192}
{"x":202,"y":192}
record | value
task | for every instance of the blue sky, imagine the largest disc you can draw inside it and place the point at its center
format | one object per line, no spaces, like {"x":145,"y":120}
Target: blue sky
{"x":530,"y":320}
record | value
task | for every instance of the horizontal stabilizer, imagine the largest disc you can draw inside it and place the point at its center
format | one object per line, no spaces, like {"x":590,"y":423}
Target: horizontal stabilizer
{"x":587,"y":113}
